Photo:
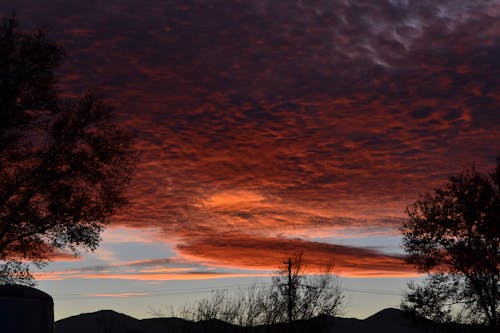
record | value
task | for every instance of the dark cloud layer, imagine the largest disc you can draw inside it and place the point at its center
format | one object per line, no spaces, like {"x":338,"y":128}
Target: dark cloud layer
{"x":276,"y":120}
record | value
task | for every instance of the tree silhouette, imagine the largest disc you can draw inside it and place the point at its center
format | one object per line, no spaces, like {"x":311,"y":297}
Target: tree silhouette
{"x":301,"y":296}
{"x":292,"y":295}
{"x":63,"y":163}
{"x":454,"y":235}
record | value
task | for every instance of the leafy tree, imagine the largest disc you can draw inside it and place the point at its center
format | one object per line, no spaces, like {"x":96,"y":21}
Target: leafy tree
{"x":454,"y":235}
{"x":63,"y":163}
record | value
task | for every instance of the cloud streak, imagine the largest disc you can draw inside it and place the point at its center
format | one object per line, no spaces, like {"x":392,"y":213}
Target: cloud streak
{"x":237,"y":255}
{"x":145,"y":270}
{"x":244,"y":251}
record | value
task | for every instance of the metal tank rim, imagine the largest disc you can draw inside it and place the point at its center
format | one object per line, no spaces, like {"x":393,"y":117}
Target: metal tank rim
{"x":20,"y":291}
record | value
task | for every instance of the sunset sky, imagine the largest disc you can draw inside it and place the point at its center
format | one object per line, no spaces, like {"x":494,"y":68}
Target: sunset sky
{"x":268,"y":128}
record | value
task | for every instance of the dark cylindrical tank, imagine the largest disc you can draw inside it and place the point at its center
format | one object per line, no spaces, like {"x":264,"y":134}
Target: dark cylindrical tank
{"x":25,"y":310}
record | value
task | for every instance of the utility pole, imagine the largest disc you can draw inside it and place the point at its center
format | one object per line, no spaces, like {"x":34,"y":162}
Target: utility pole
{"x":290,"y":286}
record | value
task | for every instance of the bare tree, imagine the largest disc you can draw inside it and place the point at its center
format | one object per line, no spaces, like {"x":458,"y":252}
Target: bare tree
{"x":304,"y":296}
{"x":243,"y":307}
{"x":292,"y":295}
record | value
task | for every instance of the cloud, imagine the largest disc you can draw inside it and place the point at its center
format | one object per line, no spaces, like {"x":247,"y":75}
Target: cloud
{"x":129,"y":264}
{"x":57,"y":276}
{"x":63,"y":256}
{"x":244,"y":251}
{"x":286,"y":121}
{"x":145,"y":270}
{"x":241,"y":255}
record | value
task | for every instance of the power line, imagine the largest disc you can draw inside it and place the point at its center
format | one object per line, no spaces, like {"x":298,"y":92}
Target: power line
{"x":374,"y":291}
{"x":161,"y":292}
{"x":201,"y":290}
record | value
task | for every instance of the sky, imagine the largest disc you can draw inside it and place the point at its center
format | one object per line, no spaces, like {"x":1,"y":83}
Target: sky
{"x":272,"y":128}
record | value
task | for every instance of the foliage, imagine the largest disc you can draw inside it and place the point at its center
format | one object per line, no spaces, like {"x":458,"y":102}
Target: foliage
{"x":16,"y":272}
{"x":454,"y":234}
{"x":63,"y":163}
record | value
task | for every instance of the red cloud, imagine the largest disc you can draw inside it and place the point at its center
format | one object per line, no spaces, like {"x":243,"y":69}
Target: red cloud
{"x":243,"y":251}
{"x":63,"y":256}
{"x":287,"y":119}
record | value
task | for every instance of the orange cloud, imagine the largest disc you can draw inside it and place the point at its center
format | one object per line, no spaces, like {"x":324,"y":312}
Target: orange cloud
{"x":64,"y":257}
{"x":55,"y":276}
{"x":244,"y":251}
{"x":286,"y":120}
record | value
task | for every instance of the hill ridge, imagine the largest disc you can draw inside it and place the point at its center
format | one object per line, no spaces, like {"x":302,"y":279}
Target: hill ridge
{"x":389,"y":320}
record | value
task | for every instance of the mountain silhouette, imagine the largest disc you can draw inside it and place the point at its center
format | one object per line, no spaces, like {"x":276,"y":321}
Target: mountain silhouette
{"x":107,"y":321}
